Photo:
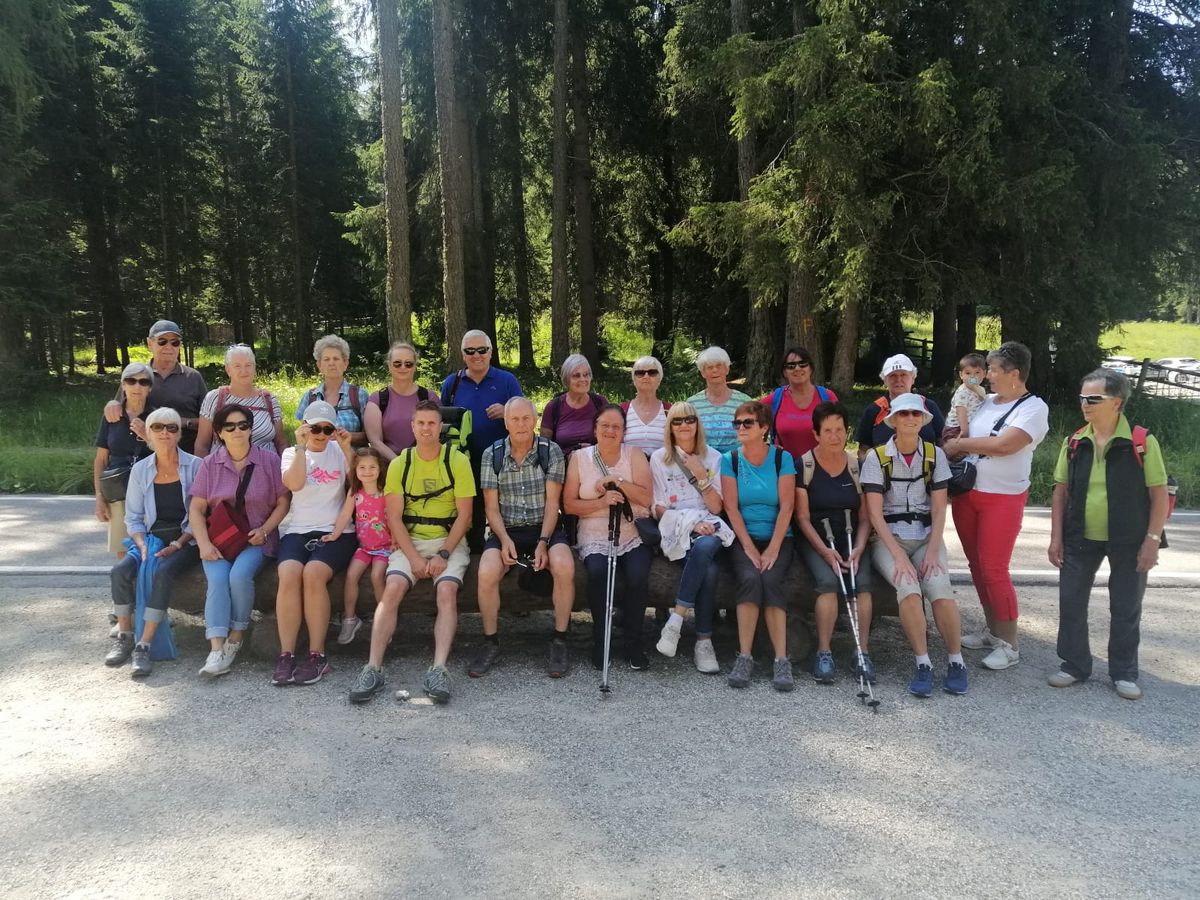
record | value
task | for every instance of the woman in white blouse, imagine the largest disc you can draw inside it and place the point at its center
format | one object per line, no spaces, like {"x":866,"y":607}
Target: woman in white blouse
{"x":645,"y":414}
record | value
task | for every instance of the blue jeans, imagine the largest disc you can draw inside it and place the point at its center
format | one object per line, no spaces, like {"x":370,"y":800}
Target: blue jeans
{"x":230,"y":596}
{"x":698,"y":583}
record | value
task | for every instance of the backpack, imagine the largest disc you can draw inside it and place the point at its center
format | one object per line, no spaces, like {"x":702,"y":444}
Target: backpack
{"x":928,"y":461}
{"x":445,"y":522}
{"x":353,"y":390}
{"x":733,"y":460}
{"x":554,"y":407}
{"x":542,"y":446}
{"x":777,"y":402}
{"x":456,"y":421}
{"x":385,"y":392}
{"x":1140,"y":434}
{"x":223,"y":394}
{"x":809,"y":462}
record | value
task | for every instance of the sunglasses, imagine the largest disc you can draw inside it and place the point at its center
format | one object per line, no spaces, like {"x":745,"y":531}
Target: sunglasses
{"x":476,"y":351}
{"x":172,"y":428}
{"x":1093,"y":399}
{"x":796,"y":364}
{"x":230,"y":427}
{"x":174,"y":342}
{"x":322,"y":429}
{"x":403,"y":364}
{"x":144,"y":382}
{"x":644,"y":373}
{"x":744,"y":423}
{"x":908,"y":412}
{"x":684,"y":420}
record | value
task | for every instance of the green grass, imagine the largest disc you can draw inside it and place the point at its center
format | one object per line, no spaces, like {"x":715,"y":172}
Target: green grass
{"x":1152,"y":339}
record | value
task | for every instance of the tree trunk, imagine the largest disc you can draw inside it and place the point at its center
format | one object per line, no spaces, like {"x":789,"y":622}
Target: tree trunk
{"x":581,"y":172}
{"x":560,"y":328}
{"x":967,"y":327}
{"x":452,"y":162}
{"x":516,"y":184}
{"x":303,"y":335}
{"x":845,"y":354}
{"x":801,"y":328}
{"x":945,"y":343}
{"x":398,"y":301}
{"x":663,"y":266}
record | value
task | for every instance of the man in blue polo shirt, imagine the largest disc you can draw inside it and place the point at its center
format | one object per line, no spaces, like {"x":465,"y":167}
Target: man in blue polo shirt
{"x":483,"y":389}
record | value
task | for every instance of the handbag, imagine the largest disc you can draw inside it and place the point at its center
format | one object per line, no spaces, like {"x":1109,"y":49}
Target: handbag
{"x":228,"y":527}
{"x":648,"y":531}
{"x":114,"y":482}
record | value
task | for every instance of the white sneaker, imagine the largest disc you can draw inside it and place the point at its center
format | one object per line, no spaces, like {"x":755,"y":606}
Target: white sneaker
{"x":978,"y":640}
{"x":230,"y":650}
{"x":1061,"y":679}
{"x":669,"y":642}
{"x":214,"y":665}
{"x":1128,"y":690}
{"x":706,"y":658}
{"x":350,"y":627}
{"x":1002,"y":657}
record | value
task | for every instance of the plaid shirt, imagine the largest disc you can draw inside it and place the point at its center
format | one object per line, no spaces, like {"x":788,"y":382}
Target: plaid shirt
{"x":218,"y":480}
{"x":522,"y":486}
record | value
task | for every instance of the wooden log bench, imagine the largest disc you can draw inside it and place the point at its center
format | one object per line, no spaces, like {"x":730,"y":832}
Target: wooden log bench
{"x":188,"y":596}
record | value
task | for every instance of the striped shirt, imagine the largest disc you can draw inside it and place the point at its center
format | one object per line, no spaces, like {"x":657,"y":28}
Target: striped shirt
{"x":263,"y":406}
{"x":646,"y":436}
{"x":522,"y":486}
{"x":718,"y":420}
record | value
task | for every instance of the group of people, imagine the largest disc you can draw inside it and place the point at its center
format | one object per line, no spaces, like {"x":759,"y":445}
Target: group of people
{"x":371,"y":486}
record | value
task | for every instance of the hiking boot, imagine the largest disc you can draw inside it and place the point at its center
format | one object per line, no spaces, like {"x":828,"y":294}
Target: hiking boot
{"x":638,"y":661}
{"x":922,"y":682}
{"x":1004,"y":656}
{"x":668,"y":641}
{"x":437,"y":684}
{"x":1061,"y":679}
{"x":1128,"y":690}
{"x":956,"y":679}
{"x":867,"y":669}
{"x":121,"y":649}
{"x":706,"y":657}
{"x":824,"y":668}
{"x":558,"y":659}
{"x":215,"y":664}
{"x":311,"y":669}
{"x":350,"y":628}
{"x":979,"y":640}
{"x":367,"y":685}
{"x":285,"y":668}
{"x":743,"y":668}
{"x":783,"y":680}
{"x":140,"y":659}
{"x":484,"y":659}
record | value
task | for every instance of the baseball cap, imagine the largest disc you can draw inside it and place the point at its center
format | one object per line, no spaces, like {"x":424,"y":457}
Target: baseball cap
{"x":165,"y":326}
{"x":912,"y":402}
{"x":320,"y":411}
{"x":897,"y":363}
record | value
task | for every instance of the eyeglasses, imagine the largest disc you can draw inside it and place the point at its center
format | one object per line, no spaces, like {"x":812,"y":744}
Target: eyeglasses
{"x":144,"y":382}
{"x":744,"y":423}
{"x":684,"y":420}
{"x":908,"y":412}
{"x":581,"y":374}
{"x":796,"y":364}
{"x":312,"y":545}
{"x":174,"y":342}
{"x":230,"y":427}
{"x":476,"y":351}
{"x":644,"y":373}
{"x":171,"y":428}
{"x":403,"y":364}
{"x":322,"y":429}
{"x":1093,"y":399}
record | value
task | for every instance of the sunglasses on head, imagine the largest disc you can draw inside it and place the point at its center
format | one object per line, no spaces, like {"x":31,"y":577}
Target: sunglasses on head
{"x":1093,"y":399}
{"x":241,"y":425}
{"x":403,"y":364}
{"x":476,"y":351}
{"x":684,"y":420}
{"x":174,"y":342}
{"x":170,"y":428}
{"x":796,"y":364}
{"x":644,"y":373}
{"x":144,"y":382}
{"x":322,"y":429}
{"x":744,"y":423}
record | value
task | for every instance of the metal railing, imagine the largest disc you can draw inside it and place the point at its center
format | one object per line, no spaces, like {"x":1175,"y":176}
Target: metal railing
{"x":1153,"y":380}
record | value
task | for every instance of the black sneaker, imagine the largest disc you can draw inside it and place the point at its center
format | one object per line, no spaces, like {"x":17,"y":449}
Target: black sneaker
{"x":638,"y":661}
{"x":370,"y":682}
{"x":121,"y":650}
{"x":484,"y":659}
{"x":558,"y":659}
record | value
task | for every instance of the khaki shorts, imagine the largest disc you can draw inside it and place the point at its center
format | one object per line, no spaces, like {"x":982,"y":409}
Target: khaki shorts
{"x":456,"y":565}
{"x":116,"y":527}
{"x":936,"y":587}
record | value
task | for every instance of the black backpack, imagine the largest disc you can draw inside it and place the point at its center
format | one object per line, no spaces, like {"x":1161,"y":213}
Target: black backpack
{"x":543,"y":455}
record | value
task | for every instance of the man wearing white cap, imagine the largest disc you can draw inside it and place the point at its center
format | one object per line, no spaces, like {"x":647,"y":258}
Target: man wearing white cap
{"x":905,"y":481}
{"x":898,"y":375}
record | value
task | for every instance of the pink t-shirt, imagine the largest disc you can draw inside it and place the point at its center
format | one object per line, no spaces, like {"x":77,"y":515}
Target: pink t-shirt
{"x":793,"y":425}
{"x":370,"y":522}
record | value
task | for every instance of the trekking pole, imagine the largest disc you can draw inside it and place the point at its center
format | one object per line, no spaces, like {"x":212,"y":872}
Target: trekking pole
{"x":865,"y":693}
{"x":851,"y":604}
{"x":614,"y":532}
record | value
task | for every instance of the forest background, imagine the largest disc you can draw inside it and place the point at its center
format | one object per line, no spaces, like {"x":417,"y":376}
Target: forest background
{"x":607,"y":176}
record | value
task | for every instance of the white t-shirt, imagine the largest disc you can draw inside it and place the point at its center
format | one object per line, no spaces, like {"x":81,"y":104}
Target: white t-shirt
{"x":671,"y":486}
{"x":316,"y":506}
{"x":646,"y":436}
{"x":1009,"y":474}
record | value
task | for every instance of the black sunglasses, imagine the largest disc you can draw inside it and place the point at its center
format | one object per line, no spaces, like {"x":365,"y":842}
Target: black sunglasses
{"x":684,"y":420}
{"x":174,"y":342}
{"x":403,"y":364}
{"x":744,"y":423}
{"x":144,"y":382}
{"x":476,"y":351}
{"x":322,"y":429}
{"x":241,"y":425}
{"x":796,"y":364}
{"x":644,"y":373}
{"x":171,"y":428}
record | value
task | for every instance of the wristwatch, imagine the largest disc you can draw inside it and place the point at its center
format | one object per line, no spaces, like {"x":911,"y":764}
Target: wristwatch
{"x":444,"y":554}
{"x":544,"y":540}
{"x":1153,"y":537}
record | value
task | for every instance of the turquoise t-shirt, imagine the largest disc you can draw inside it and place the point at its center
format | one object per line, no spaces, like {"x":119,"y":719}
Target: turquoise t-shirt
{"x":758,"y":490}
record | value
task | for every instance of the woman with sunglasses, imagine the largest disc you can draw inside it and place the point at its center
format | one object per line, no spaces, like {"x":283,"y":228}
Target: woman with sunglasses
{"x":230,"y":596}
{"x":155,"y":504}
{"x":1110,"y":502}
{"x":645,"y":414}
{"x":568,"y":417}
{"x":266,"y":418}
{"x":687,"y":503}
{"x":389,"y":413}
{"x":122,"y":443}
{"x":793,"y":403}
{"x":1000,"y":440}
{"x":758,"y":484}
{"x":598,"y":479}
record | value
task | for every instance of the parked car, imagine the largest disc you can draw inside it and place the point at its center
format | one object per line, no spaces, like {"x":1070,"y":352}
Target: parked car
{"x":1187,"y":369}
{"x":1126,"y":365}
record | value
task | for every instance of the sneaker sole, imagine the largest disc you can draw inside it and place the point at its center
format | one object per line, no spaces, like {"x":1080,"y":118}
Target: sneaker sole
{"x":208,"y":674}
{"x":363,"y":698}
{"x":824,"y":679}
{"x":924,"y":695}
{"x":139,"y":673}
{"x":954,"y":693}
{"x":1007,"y":665}
{"x":321,"y":673}
{"x":114,"y":663}
{"x":784,"y":687}
{"x":439,"y":696}
{"x":739,"y":685}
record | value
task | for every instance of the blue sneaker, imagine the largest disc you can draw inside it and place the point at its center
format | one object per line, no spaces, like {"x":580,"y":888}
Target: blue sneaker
{"x":867,"y":668}
{"x":824,"y":668}
{"x":956,"y":679}
{"x":922,"y":682}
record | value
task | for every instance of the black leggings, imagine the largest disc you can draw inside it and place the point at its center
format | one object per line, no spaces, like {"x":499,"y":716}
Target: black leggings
{"x":634,"y":568}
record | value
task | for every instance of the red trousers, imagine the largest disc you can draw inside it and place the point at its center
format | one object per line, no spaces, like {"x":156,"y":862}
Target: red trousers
{"x":988,"y":525}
